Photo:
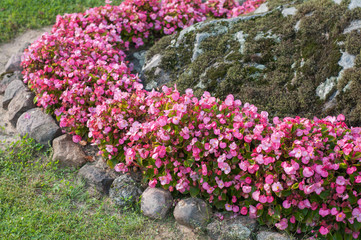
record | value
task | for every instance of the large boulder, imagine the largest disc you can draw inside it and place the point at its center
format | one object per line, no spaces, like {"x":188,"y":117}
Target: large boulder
{"x":192,"y":213}
{"x":125,"y":191}
{"x":7,"y":79}
{"x":38,"y":125}
{"x":14,"y":63}
{"x":238,"y":228}
{"x":156,"y":202}
{"x":96,"y":179}
{"x":300,"y":58}
{"x":12,"y":89}
{"x":269,"y":235}
{"x":22,"y":102}
{"x":68,"y":153}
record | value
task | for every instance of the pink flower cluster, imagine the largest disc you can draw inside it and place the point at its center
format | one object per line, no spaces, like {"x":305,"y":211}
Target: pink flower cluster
{"x":295,"y":173}
{"x":78,"y":65}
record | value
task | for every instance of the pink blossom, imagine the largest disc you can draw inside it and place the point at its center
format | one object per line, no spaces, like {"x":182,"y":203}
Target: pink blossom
{"x":286,"y":204}
{"x":283,"y":224}
{"x":277,"y":187}
{"x":340,"y":217}
{"x":324,"y":231}
{"x":246,"y":189}
{"x":308,"y":172}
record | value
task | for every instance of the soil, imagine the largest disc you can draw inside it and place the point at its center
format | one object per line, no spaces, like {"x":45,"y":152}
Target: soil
{"x":8,"y":49}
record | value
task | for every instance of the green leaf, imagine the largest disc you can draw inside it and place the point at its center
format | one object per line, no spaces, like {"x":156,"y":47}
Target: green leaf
{"x":194,"y":191}
{"x":294,"y":186}
{"x":112,"y":162}
{"x":220,"y":204}
{"x":337,"y":236}
{"x":325,"y":194}
{"x":247,"y":146}
{"x":356,"y":226}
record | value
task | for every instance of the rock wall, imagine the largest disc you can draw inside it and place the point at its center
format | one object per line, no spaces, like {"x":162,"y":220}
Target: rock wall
{"x":288,"y":58}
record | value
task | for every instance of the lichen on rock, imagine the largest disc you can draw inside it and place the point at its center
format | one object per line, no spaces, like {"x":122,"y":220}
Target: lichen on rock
{"x":279,"y":59}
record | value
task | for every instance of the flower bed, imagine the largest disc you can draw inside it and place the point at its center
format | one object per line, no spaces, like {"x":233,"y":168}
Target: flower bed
{"x":297,"y":174}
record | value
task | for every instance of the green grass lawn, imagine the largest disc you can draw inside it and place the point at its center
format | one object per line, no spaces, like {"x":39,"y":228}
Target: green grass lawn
{"x":18,"y":15}
{"x":38,"y":200}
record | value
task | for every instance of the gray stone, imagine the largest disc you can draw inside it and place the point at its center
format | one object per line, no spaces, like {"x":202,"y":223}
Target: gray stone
{"x":325,"y":88}
{"x":68,"y":153}
{"x":137,"y":58}
{"x":263,"y":8}
{"x":241,"y":38}
{"x":192,"y":213}
{"x":12,"y":89}
{"x":268,"y":235}
{"x":152,"y":63}
{"x":38,"y":125}
{"x":347,"y":60}
{"x":96,"y":178}
{"x":7,"y":79}
{"x":289,"y":11}
{"x":354,"y":4}
{"x":125,"y":191}
{"x":239,"y":228}
{"x":297,"y":26}
{"x":337,"y":1}
{"x":354,"y":25}
{"x":14,"y":63}
{"x":156,"y":202}
{"x":152,"y":66}
{"x":22,"y":102}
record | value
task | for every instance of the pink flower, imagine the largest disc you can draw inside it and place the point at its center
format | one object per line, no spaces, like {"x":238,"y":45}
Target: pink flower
{"x":252,"y":212}
{"x":340,"y":217}
{"x":153,"y":183}
{"x":244,"y":211}
{"x":27,"y":116}
{"x":286,"y":204}
{"x":323,"y":230}
{"x":283,"y":224}
{"x":235,"y":209}
{"x":341,"y":118}
{"x":356,"y":212}
{"x":76,"y":138}
{"x":340,"y":189}
{"x":334,"y":211}
{"x":340,"y":180}
{"x":228,"y":207}
{"x":277,"y":187}
{"x":324,"y":212}
{"x":269,"y":179}
{"x":246,"y":189}
{"x":255,"y":195}
{"x":308,"y":172}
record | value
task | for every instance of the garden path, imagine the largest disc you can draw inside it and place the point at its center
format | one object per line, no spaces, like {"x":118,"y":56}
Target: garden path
{"x":8,"y":133}
{"x":12,"y":47}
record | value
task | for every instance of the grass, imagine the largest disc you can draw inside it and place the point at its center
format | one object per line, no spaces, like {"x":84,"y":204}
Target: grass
{"x":16,"y":16}
{"x":38,"y":200}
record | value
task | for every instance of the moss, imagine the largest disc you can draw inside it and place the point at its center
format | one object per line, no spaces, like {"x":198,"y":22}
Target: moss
{"x":349,"y":101}
{"x":353,"y":42}
{"x":312,"y":51}
{"x":160,"y":45}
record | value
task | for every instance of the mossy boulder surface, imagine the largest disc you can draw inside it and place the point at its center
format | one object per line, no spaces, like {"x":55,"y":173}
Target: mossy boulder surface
{"x":294,"y":58}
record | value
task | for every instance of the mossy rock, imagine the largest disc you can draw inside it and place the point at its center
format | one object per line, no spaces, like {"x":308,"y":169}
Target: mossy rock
{"x":298,"y":58}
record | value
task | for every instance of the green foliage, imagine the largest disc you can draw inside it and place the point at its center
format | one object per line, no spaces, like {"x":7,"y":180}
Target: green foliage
{"x":17,"y":16}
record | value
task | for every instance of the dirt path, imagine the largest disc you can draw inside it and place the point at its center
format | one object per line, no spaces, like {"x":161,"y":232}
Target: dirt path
{"x":8,"y":49}
{"x":8,"y":134}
